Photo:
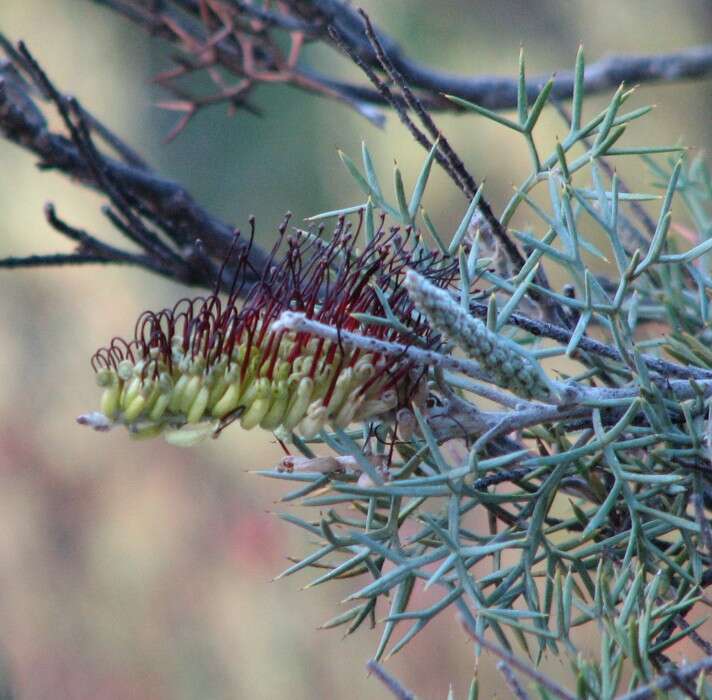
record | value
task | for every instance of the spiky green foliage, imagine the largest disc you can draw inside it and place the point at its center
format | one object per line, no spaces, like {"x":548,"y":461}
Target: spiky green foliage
{"x":595,"y":495}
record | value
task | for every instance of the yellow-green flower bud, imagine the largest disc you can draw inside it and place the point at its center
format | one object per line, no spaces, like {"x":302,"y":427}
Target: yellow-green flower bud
{"x":106,"y":377}
{"x":110,"y":399}
{"x":229,"y":401}
{"x":125,"y":370}
{"x":343,"y":385}
{"x":200,"y":403}
{"x":189,"y":435}
{"x":218,"y":389}
{"x":178,"y":391}
{"x":145,"y":432}
{"x":259,"y":406}
{"x":314,"y":421}
{"x":280,"y":402}
{"x":190,"y":393}
{"x":299,"y":404}
{"x":159,"y":408}
{"x":134,"y":408}
{"x":131,"y":390}
{"x":351,"y":406}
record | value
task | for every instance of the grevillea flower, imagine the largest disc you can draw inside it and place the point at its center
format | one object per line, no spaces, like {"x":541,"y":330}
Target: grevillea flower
{"x":192,"y":369}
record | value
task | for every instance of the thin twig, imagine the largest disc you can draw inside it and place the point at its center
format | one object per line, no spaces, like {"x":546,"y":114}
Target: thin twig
{"x":92,"y":246}
{"x":392,"y":683}
{"x":514,"y":662}
{"x":58,"y":259}
{"x":511,"y":680}
{"x":128,"y":154}
{"x":397,"y":103}
{"x":563,"y":335}
{"x":670,"y":680}
{"x":454,"y":165}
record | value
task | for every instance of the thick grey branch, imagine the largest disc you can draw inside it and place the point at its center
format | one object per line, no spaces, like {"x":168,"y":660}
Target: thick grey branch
{"x":494,"y":92}
{"x":316,"y":19}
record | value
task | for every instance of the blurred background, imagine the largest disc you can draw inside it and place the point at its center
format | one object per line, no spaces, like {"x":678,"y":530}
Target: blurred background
{"x":138,"y":570}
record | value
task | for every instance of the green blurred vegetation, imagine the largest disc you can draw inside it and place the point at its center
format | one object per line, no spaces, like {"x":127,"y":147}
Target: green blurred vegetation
{"x":139,"y":570}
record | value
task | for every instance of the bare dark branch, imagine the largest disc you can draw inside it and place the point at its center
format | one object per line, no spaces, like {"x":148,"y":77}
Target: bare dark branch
{"x":154,"y":213}
{"x":238,"y":38}
{"x":693,"y":63}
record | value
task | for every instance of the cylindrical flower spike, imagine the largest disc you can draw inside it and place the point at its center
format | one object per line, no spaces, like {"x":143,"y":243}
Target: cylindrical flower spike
{"x":194,"y":368}
{"x":508,"y":365}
